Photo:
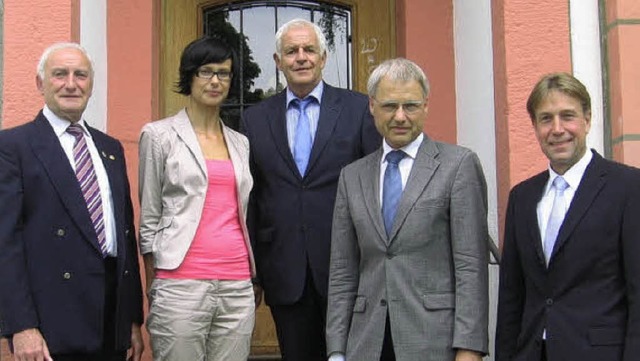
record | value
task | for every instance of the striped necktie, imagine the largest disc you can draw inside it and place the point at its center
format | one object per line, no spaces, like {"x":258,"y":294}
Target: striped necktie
{"x":88,"y":183}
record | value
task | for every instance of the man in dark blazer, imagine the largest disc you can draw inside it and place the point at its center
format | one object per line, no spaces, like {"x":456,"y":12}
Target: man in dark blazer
{"x":408,"y":278}
{"x":294,"y":190}
{"x":70,"y":284}
{"x":570,"y":271}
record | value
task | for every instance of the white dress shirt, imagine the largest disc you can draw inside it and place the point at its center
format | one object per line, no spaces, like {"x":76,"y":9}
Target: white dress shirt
{"x":573,"y":176}
{"x":405,"y":164}
{"x":67,"y":141}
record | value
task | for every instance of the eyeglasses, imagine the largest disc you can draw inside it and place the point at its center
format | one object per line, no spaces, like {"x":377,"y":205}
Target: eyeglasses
{"x":409,"y":108}
{"x":209,"y":74}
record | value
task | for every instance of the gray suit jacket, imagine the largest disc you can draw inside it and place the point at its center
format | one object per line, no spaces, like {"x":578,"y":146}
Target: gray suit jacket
{"x":430,"y":275}
{"x":173,"y":183}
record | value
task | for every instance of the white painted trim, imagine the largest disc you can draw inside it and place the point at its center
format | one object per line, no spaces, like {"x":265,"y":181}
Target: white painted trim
{"x":587,"y":62}
{"x":93,"y":37}
{"x":475,"y":108}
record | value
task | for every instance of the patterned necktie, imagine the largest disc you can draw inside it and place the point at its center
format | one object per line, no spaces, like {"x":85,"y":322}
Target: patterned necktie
{"x":302,"y":142}
{"x":88,"y":183}
{"x":556,"y":217}
{"x":392,"y":188}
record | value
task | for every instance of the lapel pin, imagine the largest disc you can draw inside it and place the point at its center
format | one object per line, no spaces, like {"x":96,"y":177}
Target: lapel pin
{"x":104,"y":155}
{"x":112,"y":157}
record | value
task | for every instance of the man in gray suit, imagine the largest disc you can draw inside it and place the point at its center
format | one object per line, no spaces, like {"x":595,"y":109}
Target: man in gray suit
{"x":408,"y":276}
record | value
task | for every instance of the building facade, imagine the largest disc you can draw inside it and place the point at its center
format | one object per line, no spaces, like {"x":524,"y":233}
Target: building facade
{"x":481,"y":56}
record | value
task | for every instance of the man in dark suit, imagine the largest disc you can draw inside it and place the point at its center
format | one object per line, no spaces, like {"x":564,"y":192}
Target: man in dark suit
{"x":70,"y":284}
{"x":570,"y":271}
{"x":408,"y":276}
{"x":299,"y":141}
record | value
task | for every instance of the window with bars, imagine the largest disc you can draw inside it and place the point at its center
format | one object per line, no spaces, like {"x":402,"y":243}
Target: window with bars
{"x":251,"y":27}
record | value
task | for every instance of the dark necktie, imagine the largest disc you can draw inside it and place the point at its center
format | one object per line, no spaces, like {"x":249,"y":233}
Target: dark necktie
{"x":302,"y":141}
{"x":392,"y":188}
{"x":88,"y":184}
{"x":556,"y":217}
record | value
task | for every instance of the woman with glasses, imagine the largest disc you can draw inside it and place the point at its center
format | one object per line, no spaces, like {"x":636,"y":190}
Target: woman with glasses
{"x":194,"y":188}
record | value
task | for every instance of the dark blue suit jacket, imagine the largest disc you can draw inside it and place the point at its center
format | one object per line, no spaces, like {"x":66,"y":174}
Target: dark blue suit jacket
{"x":290,"y":216}
{"x":588,"y":299}
{"x":52,"y":271}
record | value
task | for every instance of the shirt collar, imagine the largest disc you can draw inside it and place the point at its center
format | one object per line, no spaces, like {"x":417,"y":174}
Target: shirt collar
{"x":410,"y":149}
{"x":60,"y":125}
{"x":573,"y":175}
{"x":315,"y":93}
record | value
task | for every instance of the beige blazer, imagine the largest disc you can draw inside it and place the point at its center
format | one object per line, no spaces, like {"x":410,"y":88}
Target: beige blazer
{"x":172,"y":186}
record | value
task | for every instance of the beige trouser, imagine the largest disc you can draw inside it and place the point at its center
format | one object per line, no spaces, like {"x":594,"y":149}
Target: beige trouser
{"x":201,"y":320}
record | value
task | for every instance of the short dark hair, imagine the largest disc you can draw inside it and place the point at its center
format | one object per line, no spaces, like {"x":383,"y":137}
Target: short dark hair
{"x":562,"y":82}
{"x":203,"y":51}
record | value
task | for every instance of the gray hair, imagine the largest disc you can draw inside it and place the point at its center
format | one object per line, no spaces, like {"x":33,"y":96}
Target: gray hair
{"x":59,"y":46}
{"x":296,"y":23}
{"x":397,"y":69}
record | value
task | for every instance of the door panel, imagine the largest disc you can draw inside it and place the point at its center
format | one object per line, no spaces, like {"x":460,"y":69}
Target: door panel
{"x":369,"y":38}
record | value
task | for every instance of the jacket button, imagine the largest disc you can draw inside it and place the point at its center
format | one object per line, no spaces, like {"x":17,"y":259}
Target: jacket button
{"x":60,"y":232}
{"x":383,"y":302}
{"x":126,"y":233}
{"x":549,"y":302}
{"x":126,"y":272}
{"x":66,"y":275}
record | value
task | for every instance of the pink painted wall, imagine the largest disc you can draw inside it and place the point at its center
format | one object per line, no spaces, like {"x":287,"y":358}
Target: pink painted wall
{"x":425,"y":36}
{"x":132,"y":43}
{"x":623,"y":57}
{"x":29,"y":27}
{"x":531,"y":38}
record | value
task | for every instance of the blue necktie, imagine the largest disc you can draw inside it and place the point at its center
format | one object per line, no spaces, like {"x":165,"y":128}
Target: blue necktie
{"x":302,"y":141}
{"x":556,"y":217}
{"x":392,"y":188}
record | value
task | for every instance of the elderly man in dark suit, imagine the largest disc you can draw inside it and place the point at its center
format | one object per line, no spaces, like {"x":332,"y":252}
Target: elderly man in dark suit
{"x":408,"y":277}
{"x":70,"y":284}
{"x":570,"y":272}
{"x":299,"y":140}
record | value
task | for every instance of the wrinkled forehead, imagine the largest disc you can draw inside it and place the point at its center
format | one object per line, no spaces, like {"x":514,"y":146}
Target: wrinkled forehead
{"x":68,"y":58}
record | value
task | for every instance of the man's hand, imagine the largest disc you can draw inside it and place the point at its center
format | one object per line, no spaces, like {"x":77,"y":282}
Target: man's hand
{"x":257,"y":292}
{"x":468,"y":355}
{"x":137,"y":346}
{"x":29,"y":345}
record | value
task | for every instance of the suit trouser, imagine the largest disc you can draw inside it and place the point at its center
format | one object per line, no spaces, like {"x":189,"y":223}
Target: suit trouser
{"x":210,"y":320}
{"x":108,"y":352}
{"x":387,"y":353}
{"x":301,"y":326}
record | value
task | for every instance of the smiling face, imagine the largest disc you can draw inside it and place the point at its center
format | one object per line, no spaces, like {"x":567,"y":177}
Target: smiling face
{"x":211,"y":92}
{"x":301,"y":60}
{"x":67,"y":83}
{"x":399,"y":125}
{"x":561,"y":127}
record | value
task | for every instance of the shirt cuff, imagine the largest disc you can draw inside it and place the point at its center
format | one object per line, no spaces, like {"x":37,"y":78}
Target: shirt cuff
{"x":337,"y":356}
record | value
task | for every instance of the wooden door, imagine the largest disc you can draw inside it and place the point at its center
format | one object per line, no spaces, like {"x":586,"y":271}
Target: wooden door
{"x":362,"y":33}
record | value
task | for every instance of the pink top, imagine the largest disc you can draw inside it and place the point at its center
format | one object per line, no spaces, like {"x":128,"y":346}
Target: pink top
{"x":218,"y":250}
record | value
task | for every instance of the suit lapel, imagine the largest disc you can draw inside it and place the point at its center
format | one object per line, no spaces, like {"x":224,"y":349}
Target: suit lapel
{"x":423,"y":169}
{"x":185,"y":131}
{"x":330,"y":108}
{"x":277,"y":120}
{"x":235,"y":156}
{"x":531,"y":210}
{"x":370,"y":181}
{"x":52,"y":158}
{"x":592,"y":182}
